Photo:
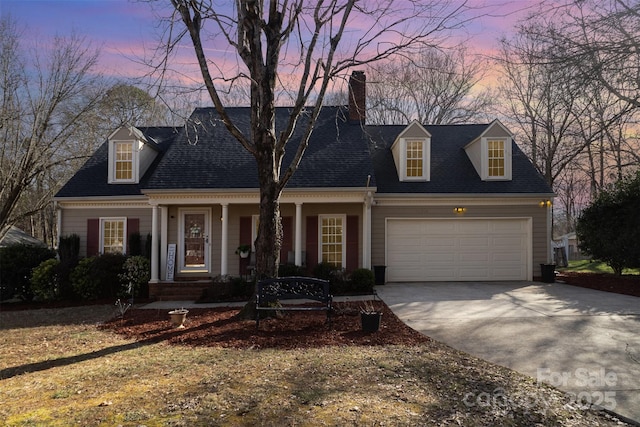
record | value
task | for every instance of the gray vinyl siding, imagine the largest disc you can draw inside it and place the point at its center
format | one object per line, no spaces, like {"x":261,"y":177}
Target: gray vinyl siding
{"x":74,"y":221}
{"x":538,"y":215}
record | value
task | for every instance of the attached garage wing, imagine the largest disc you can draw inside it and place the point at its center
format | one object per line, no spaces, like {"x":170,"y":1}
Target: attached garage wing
{"x":460,"y":249}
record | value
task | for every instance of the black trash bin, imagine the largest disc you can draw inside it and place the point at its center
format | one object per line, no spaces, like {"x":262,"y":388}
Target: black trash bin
{"x":379,"y":272}
{"x":548,"y":273}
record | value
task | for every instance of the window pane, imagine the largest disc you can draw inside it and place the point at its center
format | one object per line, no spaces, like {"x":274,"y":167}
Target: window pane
{"x":113,"y":236}
{"x":124,"y":160}
{"x":414,"y":158}
{"x":331,"y":238}
{"x":496,"y":157}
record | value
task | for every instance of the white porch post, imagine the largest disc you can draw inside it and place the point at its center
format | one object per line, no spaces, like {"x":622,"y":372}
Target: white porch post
{"x":298,"y":239}
{"x":154,"y":245}
{"x":58,"y":223}
{"x":366,"y":232}
{"x":164,"y":234}
{"x":224,"y":244}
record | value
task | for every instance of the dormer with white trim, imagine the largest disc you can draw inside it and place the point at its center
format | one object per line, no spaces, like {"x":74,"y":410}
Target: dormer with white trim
{"x":412,"y":153}
{"x":130,"y":155}
{"x":491,"y":153}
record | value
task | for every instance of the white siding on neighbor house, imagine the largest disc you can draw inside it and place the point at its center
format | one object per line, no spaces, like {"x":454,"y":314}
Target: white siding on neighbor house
{"x":458,"y":249}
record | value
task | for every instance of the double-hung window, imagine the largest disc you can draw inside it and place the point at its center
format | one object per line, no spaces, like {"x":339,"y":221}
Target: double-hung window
{"x":496,"y":158}
{"x":414,"y":158}
{"x":332,"y":240}
{"x":123,"y":161}
{"x":113,"y":235}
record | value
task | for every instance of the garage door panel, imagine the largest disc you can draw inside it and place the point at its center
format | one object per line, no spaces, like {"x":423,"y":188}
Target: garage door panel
{"x":457,"y":249}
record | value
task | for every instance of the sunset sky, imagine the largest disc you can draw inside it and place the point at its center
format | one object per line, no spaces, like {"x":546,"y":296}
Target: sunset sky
{"x":128,"y":30}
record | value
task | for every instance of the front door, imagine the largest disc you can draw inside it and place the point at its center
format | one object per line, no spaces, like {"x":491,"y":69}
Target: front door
{"x":194,"y":240}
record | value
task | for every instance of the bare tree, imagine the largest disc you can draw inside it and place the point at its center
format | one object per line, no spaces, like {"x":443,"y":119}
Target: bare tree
{"x":43,"y":93}
{"x":543,"y":101}
{"x":434,"y":86}
{"x":318,"y":42}
{"x":603,"y":38}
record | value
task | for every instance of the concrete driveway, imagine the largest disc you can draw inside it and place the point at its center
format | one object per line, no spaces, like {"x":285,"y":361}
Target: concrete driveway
{"x":582,"y":341}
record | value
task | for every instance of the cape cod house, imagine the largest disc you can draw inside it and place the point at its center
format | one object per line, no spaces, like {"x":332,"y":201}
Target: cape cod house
{"x":445,"y":202}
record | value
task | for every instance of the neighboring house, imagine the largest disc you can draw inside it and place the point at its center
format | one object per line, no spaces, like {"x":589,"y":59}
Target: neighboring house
{"x":16,"y":236}
{"x":447,"y":202}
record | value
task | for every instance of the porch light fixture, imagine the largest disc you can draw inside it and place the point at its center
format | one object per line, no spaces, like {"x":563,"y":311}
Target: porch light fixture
{"x":459,"y":210}
{"x":545,"y":203}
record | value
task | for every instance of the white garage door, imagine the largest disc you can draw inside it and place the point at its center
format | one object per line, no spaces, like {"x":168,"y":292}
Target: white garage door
{"x":457,"y":249}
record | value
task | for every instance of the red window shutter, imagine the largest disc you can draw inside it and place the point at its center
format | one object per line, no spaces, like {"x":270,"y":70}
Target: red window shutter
{"x":312,"y":242}
{"x":133,"y":226}
{"x":287,"y":239}
{"x":245,"y":239}
{"x":352,"y":242}
{"x":93,"y":236}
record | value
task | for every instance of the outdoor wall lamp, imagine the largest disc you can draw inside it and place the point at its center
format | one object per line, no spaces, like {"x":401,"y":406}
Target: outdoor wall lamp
{"x":545,"y":203}
{"x":459,"y":210}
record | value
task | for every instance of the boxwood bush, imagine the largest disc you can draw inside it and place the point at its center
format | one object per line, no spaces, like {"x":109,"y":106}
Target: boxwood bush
{"x":16,"y":265}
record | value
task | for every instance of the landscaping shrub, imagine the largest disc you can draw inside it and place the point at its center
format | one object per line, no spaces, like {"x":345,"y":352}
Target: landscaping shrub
{"x":97,"y":277}
{"x":286,"y":270}
{"x":84,"y":283}
{"x":45,"y":281}
{"x":16,"y":265}
{"x":68,"y":253}
{"x":135,"y":244}
{"x":335,"y":275}
{"x":361,"y":280}
{"x":147,"y":246}
{"x":135,"y":276}
{"x":241,"y":287}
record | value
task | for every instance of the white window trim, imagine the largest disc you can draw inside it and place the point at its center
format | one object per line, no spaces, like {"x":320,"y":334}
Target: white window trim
{"x":426,"y":159}
{"x":124,"y":231}
{"x":134,"y":162}
{"x":507,"y":159}
{"x":344,"y":236}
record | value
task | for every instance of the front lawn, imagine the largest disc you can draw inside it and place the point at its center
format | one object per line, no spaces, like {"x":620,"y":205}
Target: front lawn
{"x":59,"y":368}
{"x":588,"y":266}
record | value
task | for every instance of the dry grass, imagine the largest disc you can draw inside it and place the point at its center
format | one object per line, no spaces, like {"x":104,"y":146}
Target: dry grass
{"x":57,"y":369}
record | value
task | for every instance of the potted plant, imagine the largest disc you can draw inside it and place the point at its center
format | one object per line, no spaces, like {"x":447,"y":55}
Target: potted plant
{"x":243,"y":251}
{"x":178,"y":317}
{"x":370,"y":317}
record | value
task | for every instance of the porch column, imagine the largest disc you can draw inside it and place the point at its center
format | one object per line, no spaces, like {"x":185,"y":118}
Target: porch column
{"x":58,"y":223}
{"x":366,"y":232}
{"x":298,"y":242}
{"x":164,"y":241}
{"x":154,"y":244}
{"x":224,"y":244}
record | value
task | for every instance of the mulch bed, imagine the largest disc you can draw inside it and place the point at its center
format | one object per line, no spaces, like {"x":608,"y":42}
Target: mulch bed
{"x":220,"y":327}
{"x":625,"y":284}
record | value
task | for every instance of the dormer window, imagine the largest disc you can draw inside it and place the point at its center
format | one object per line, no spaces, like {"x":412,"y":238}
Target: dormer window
{"x":412,"y":153}
{"x":130,"y":154}
{"x":490,"y":153}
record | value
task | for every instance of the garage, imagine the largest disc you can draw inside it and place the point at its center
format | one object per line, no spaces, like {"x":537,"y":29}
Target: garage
{"x":460,"y":249}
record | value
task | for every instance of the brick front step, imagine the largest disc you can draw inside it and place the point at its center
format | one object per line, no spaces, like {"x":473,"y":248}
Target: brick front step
{"x":181,"y":290}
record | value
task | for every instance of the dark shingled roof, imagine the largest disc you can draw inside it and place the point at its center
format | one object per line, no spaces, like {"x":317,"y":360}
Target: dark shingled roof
{"x":341,"y":154}
{"x":206,"y":156}
{"x":451,"y":170}
{"x":92,"y":178}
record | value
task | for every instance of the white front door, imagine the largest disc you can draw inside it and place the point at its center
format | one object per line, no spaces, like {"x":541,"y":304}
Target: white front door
{"x":194,"y":240}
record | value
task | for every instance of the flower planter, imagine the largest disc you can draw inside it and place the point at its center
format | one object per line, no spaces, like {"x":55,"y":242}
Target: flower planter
{"x":178,"y":317}
{"x":244,"y":254}
{"x":370,"y":321}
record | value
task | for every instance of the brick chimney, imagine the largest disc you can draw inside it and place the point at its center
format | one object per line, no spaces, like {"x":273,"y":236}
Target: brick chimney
{"x":357,"y":96}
